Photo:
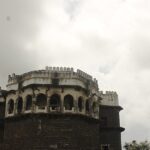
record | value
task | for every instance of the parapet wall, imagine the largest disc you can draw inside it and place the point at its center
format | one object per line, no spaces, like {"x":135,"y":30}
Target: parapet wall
{"x":67,"y":69}
{"x":80,"y":73}
{"x":109,"y":98}
{"x":46,"y":76}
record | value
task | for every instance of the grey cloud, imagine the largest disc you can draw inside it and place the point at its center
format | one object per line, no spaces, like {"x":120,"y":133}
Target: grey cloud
{"x":94,"y":42}
{"x":140,"y":51}
{"x":71,"y":7}
{"x":107,"y":68}
{"x":18,"y":26}
{"x":136,"y":132}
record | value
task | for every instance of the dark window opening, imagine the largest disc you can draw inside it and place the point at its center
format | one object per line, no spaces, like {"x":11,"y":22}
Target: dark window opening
{"x":28,"y":102}
{"x":55,"y":81}
{"x":55,"y":102}
{"x":68,"y":102}
{"x":19,"y":105}
{"x":55,"y":74}
{"x":87,"y":106}
{"x":41,"y":101}
{"x":80,"y":104}
{"x":10,"y":106}
{"x":105,"y":147}
{"x":94,"y":107}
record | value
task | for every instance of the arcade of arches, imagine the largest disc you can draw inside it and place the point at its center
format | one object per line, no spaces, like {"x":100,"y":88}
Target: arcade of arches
{"x":53,"y":103}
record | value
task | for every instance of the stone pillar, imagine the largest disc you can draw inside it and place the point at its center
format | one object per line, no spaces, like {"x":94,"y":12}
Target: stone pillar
{"x":61,"y":103}
{"x":6,"y":108}
{"x":48,"y":104}
{"x":75,"y":105}
{"x":97,"y":110}
{"x":15,"y":107}
{"x":90,"y":106}
{"x":34,"y":103}
{"x":83,"y":105}
{"x":23,"y":104}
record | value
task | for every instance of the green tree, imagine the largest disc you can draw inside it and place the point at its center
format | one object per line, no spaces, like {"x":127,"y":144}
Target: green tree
{"x":137,"y":146}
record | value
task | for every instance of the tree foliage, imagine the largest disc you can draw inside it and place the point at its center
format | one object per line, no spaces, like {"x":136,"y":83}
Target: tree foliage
{"x":137,"y":146}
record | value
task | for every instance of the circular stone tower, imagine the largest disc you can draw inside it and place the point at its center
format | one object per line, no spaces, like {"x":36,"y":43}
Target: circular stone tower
{"x":55,"y":108}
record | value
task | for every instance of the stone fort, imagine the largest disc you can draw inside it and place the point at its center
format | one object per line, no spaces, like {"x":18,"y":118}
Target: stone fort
{"x":58,"y":109}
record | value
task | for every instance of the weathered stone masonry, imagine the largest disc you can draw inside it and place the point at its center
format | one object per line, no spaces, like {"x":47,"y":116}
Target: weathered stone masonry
{"x":58,"y":108}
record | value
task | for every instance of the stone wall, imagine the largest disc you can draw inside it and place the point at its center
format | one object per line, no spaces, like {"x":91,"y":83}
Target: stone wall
{"x":109,"y":98}
{"x":110,"y":137}
{"x":47,"y":131}
{"x":110,"y":130}
{"x":2,"y":114}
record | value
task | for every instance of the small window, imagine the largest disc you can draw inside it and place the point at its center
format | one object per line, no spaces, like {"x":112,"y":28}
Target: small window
{"x":87,"y":106}
{"x":105,"y":147}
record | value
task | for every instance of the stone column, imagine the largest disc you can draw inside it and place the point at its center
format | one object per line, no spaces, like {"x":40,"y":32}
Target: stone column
{"x":23,"y":104}
{"x":15,"y":105}
{"x":6,"y":108}
{"x":34,"y":103}
{"x":75,"y":105}
{"x":61,"y":103}
{"x":83,"y":105}
{"x":48,"y":104}
{"x":90,"y":106}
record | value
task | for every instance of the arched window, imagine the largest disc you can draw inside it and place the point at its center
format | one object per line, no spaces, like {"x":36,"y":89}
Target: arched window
{"x":55,"y":102}
{"x":94,"y":108}
{"x":10,"y":106}
{"x":80,"y":104}
{"x":87,"y":106}
{"x":68,"y":102}
{"x":19,"y":105}
{"x":28,"y":102}
{"x":41,"y":101}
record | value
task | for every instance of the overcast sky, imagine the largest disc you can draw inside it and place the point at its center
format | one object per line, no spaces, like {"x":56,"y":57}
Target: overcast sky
{"x":108,"y":39}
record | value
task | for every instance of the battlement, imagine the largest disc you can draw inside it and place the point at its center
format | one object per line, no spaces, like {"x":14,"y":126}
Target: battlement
{"x":67,"y":69}
{"x":109,"y":98}
{"x":65,"y":74}
{"x":52,"y":70}
{"x":59,"y":69}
